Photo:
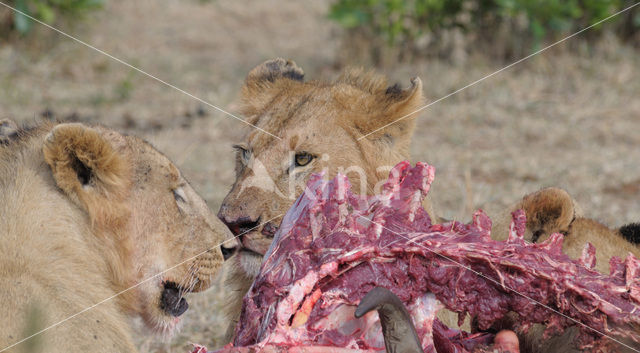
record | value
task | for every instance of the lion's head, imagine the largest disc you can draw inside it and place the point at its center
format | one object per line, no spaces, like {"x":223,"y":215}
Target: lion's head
{"x":158,"y":235}
{"x":342,"y":126}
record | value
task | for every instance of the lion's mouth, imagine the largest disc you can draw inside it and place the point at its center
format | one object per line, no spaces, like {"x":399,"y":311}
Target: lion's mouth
{"x":253,"y":246}
{"x":250,"y":252}
{"x":171,"y":301}
{"x":257,"y":241}
{"x":269,"y":230}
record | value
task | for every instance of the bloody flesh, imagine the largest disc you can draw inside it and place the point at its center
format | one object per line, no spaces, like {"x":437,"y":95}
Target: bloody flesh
{"x":333,"y":247}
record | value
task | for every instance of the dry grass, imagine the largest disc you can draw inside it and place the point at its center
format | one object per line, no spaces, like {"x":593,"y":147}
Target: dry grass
{"x":564,"y":119}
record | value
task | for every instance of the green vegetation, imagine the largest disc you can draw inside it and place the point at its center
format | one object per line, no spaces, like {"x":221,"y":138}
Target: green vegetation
{"x":398,"y":22}
{"x":47,"y":11}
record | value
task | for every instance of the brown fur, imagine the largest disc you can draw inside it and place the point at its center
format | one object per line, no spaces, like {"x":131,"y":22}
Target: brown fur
{"x":87,"y":213}
{"x":324,"y":119}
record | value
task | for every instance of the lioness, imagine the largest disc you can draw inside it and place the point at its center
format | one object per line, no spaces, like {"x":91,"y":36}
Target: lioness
{"x":96,"y":226}
{"x":319,"y":125}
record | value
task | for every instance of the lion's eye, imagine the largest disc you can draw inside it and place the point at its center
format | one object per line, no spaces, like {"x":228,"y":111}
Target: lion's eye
{"x":179,"y":195}
{"x":245,"y":154}
{"x":303,"y":158}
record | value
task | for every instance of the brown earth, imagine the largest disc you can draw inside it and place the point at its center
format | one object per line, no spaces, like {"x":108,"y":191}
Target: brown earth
{"x":565,"y":118}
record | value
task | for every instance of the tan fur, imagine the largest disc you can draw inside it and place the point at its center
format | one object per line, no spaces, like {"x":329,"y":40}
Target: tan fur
{"x":85,"y":214}
{"x":553,"y":210}
{"x":325,"y":119}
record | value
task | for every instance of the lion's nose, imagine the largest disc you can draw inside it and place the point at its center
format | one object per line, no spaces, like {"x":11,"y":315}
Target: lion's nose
{"x":172,"y":301}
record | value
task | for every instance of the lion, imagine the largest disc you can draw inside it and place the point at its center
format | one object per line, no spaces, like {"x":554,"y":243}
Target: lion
{"x":96,"y":227}
{"x":320,"y":125}
{"x":553,"y":210}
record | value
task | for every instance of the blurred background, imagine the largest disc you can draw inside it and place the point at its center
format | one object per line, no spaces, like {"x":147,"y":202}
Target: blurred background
{"x":568,"y":117}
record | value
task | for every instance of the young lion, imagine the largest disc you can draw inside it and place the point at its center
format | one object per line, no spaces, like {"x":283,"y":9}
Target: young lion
{"x":553,"y":210}
{"x":89,"y":220}
{"x":320,"y":125}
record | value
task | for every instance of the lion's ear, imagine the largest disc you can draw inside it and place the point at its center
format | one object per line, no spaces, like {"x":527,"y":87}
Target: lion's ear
{"x":87,"y":168}
{"x":8,"y":130}
{"x":631,"y":232}
{"x":265,"y":81}
{"x":391,"y":116}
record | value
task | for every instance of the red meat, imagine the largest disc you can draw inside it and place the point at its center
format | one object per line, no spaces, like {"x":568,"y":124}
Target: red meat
{"x":333,"y":247}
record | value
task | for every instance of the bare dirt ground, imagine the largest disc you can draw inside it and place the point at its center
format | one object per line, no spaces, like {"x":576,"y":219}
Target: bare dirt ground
{"x":565,"y":118}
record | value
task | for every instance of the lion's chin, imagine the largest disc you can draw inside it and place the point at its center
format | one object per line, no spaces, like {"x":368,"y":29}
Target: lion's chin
{"x":250,"y":261}
{"x":162,"y":324}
